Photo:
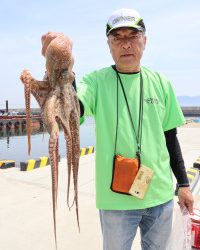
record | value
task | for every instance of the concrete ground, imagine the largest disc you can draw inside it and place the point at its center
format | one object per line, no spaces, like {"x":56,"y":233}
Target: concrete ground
{"x":26,"y":209}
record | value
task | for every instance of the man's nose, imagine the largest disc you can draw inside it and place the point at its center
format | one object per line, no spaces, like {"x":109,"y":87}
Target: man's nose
{"x":126,"y":43}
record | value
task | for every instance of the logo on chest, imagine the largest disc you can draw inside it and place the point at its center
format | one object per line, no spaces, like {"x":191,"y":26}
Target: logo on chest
{"x":151,"y":100}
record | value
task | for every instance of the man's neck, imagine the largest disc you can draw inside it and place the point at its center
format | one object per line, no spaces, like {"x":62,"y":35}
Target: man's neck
{"x":128,"y":70}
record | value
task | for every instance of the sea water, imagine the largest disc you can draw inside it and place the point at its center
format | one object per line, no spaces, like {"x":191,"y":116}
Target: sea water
{"x":14,"y":145}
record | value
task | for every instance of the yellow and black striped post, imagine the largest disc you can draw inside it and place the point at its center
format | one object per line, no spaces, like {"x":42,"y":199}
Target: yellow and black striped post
{"x":87,"y":150}
{"x":7,"y":164}
{"x":196,"y":164}
{"x":33,"y":164}
{"x":193,"y":175}
{"x":44,"y":161}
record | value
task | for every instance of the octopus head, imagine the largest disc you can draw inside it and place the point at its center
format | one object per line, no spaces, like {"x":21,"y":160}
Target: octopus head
{"x":59,"y":56}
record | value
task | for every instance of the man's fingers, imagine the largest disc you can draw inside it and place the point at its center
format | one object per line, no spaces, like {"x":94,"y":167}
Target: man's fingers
{"x":25,"y":76}
{"x":47,"y":38}
{"x":186,"y":198}
{"x":181,"y":204}
{"x":188,"y":205}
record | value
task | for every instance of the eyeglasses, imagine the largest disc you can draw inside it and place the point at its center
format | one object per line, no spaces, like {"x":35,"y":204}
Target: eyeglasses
{"x":117,"y":40}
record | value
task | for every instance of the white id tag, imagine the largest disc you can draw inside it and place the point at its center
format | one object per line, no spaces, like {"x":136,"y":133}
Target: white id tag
{"x":141,"y":182}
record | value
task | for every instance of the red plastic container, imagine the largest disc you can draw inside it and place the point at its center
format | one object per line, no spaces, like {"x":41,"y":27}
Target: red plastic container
{"x":195,"y":221}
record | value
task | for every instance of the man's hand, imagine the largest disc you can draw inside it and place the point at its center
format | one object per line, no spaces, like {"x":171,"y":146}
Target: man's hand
{"x":47,"y":38}
{"x":185,"y":198}
{"x":26,"y":77}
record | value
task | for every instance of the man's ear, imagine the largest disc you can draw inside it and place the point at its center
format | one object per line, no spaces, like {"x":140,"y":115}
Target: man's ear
{"x":108,"y":42}
{"x":145,"y":41}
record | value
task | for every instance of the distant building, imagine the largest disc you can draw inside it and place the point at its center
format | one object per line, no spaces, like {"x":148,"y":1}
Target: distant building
{"x":2,"y":111}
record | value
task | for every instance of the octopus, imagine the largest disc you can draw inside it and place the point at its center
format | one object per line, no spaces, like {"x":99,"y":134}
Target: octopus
{"x":59,"y":106}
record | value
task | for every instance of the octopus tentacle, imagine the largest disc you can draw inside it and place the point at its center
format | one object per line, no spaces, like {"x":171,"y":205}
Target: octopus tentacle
{"x":74,"y":125}
{"x":50,"y":119}
{"x":75,"y":113}
{"x":27,"y":91}
{"x":69,"y":164}
{"x":40,"y":90}
{"x":68,"y":139}
{"x":53,"y":143}
{"x":56,"y":169}
{"x":77,"y":105}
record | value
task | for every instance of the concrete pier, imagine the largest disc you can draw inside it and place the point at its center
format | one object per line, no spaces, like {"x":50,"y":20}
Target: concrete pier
{"x":191,"y":111}
{"x":26,"y":221}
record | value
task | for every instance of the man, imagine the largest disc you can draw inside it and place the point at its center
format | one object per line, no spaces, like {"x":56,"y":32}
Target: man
{"x":136,"y":114}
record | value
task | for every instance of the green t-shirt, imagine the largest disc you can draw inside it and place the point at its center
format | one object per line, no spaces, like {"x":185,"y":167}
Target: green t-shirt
{"x":161,"y":112}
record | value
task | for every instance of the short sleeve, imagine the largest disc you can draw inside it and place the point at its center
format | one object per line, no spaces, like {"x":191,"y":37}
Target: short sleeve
{"x":173,"y":114}
{"x":86,"y":91}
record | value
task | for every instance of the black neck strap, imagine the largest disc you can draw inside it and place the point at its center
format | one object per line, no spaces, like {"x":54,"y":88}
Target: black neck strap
{"x":138,"y":135}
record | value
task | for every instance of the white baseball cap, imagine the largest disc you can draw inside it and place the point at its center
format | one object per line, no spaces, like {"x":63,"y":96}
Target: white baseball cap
{"x":125,"y":18}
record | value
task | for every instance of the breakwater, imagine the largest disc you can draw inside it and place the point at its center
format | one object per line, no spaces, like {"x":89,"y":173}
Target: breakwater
{"x":191,"y":111}
{"x":11,"y":122}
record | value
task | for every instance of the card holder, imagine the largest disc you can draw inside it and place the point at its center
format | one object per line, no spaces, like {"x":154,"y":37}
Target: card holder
{"x":142,"y":182}
{"x":124,"y":173}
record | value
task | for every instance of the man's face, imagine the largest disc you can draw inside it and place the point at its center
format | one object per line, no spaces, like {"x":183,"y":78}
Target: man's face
{"x":126,"y":47}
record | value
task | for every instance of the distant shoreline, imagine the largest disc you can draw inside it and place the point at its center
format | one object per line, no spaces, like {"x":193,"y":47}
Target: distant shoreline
{"x":188,"y":111}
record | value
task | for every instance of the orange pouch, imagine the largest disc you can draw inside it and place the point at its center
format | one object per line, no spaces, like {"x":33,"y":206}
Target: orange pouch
{"x":124,"y":173}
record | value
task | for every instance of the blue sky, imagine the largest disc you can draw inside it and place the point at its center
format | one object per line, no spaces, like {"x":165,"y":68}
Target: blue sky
{"x":173,"y":39}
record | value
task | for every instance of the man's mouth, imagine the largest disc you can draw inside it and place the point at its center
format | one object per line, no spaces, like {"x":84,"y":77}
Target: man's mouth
{"x":126,"y":55}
